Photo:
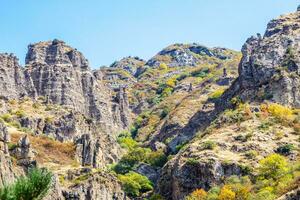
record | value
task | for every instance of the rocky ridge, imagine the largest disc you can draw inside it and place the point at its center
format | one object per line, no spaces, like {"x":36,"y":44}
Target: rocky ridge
{"x":189,"y":102}
{"x":268,"y":72}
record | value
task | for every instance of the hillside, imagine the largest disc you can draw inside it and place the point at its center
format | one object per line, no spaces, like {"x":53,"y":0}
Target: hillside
{"x":191,"y":123}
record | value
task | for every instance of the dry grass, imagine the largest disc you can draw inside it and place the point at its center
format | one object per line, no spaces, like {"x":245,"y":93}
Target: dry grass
{"x":49,"y":153}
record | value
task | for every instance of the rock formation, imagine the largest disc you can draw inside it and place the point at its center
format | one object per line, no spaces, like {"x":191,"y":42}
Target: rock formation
{"x":7,"y":173}
{"x":270,"y":65}
{"x":24,"y":153}
{"x":99,"y":186}
{"x":62,"y":75}
{"x":185,"y":55}
{"x":133,"y":65}
{"x":268,"y":71}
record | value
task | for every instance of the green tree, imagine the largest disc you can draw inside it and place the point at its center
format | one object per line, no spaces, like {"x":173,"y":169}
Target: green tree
{"x":273,"y":167}
{"x":134,"y":183}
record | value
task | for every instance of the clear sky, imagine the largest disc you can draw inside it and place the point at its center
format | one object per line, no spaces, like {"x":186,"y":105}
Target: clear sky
{"x":107,"y":30}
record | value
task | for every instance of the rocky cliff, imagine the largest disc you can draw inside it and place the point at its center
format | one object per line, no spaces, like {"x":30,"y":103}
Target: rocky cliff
{"x":187,"y":55}
{"x":270,"y":65}
{"x":268,"y":73}
{"x":199,"y":118}
{"x":7,"y":174}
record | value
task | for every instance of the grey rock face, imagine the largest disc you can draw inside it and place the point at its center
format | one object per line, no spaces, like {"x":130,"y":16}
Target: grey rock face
{"x":147,"y":170}
{"x":12,"y":80}
{"x":271,"y":64}
{"x":4,"y":138}
{"x":7,"y":174}
{"x":24,"y":153}
{"x":62,"y":75}
{"x":100,"y":186}
{"x":185,"y":55}
{"x":97,"y":151}
{"x":130,"y":64}
{"x":181,"y":177}
{"x":54,"y":192}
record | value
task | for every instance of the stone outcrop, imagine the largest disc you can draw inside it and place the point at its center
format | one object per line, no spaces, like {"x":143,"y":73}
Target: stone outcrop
{"x":147,"y":170}
{"x":93,"y":150}
{"x":54,"y":192}
{"x":180,"y":177}
{"x":7,"y":174}
{"x":186,"y":55}
{"x":100,"y":186}
{"x":24,"y":153}
{"x":61,"y":75}
{"x":12,"y":80}
{"x":269,"y":69}
{"x":133,"y":65}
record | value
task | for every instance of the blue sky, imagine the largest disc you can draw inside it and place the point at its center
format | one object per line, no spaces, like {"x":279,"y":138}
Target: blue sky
{"x":107,"y":30}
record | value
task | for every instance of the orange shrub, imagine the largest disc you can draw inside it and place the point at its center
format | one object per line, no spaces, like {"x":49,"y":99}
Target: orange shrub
{"x":226,"y":193}
{"x":198,"y":194}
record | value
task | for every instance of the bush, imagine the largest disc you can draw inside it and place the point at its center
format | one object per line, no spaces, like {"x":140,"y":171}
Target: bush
{"x":156,"y":158}
{"x":213,"y":193}
{"x":216,"y":94}
{"x":273,"y":167}
{"x":7,"y":117}
{"x":33,"y":186}
{"x":127,"y":142}
{"x":129,"y":160}
{"x":49,"y":120}
{"x":240,"y":186}
{"x":36,"y":105}
{"x":198,"y":194}
{"x":134,"y":183}
{"x":20,"y":113}
{"x":226,"y":193}
{"x":251,"y":154}
{"x":285,"y":149}
{"x":200,"y":73}
{"x":171,"y":82}
{"x":264,"y":194}
{"x":163,"y":66}
{"x":15,"y":124}
{"x":167,"y":92}
{"x":280,"y":112}
{"x":209,"y":145}
{"x":166,"y":110}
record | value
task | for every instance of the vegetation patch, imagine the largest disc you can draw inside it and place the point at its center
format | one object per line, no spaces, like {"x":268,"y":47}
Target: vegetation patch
{"x":33,"y":186}
{"x":134,"y":184}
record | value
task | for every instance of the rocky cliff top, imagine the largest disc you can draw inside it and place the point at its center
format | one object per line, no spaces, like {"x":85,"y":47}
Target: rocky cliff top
{"x":271,"y":63}
{"x":55,"y":52}
{"x":130,"y":64}
{"x":187,"y":55}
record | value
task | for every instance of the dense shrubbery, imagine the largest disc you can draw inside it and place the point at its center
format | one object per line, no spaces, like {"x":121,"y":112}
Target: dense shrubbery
{"x":137,"y":155}
{"x":280,"y":112}
{"x":33,"y":186}
{"x":134,"y":184}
